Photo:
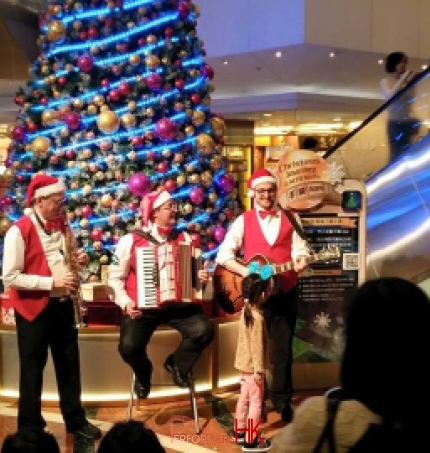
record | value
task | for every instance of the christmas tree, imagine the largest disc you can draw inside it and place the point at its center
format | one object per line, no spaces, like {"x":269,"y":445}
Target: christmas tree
{"x":119,"y":104}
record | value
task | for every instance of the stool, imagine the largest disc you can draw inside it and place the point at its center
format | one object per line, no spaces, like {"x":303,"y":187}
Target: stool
{"x":193,"y":402}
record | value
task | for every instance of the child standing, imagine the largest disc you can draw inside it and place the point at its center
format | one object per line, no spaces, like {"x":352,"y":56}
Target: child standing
{"x":251,"y":360}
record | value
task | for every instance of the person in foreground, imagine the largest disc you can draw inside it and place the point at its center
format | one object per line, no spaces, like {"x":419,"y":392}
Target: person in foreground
{"x":30,"y":440}
{"x":138,"y":324}
{"x":384,"y":377}
{"x":39,"y":285}
{"x":251,"y":359}
{"x":130,"y":437}
{"x":266,"y":230}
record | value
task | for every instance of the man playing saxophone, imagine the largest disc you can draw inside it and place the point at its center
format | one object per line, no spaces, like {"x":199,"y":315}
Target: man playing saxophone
{"x":39,"y":284}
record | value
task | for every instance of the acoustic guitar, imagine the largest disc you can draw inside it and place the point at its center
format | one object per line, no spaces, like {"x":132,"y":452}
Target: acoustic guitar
{"x":228,"y":284}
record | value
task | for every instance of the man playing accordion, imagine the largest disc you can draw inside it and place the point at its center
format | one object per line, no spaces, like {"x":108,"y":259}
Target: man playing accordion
{"x":141,"y":317}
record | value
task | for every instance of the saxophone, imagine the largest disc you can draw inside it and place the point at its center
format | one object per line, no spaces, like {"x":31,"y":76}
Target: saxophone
{"x":73,"y":266}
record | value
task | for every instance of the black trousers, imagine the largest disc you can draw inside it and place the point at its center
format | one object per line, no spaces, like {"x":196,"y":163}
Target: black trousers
{"x":280,"y":315}
{"x":52,"y":329}
{"x":196,"y":330}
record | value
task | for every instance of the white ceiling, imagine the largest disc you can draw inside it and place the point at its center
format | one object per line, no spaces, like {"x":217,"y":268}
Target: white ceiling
{"x":304,"y":85}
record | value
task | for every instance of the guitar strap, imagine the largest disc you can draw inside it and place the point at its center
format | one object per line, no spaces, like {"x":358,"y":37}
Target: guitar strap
{"x":297,"y":226}
{"x":150,"y":238}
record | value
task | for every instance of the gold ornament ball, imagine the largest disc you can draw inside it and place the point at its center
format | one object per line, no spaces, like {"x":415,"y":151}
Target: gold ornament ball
{"x":151,"y":39}
{"x":40,"y":146}
{"x":218,"y":126}
{"x":104,"y":108}
{"x":188,"y":208}
{"x":108,"y":122}
{"x":152,"y":62}
{"x":77,"y":25}
{"x":7,"y":177}
{"x":48,"y":116}
{"x":5,"y":224}
{"x":104,"y":259}
{"x":87,"y":189}
{"x":99,"y":100}
{"x":199,"y":117}
{"x":106,"y":200}
{"x":166,"y":153}
{"x":215,"y":162}
{"x":189,"y":130}
{"x":131,"y":106}
{"x":56,"y":31}
{"x":213,"y":197}
{"x":128,"y":120}
{"x":78,"y":103}
{"x":44,"y":69}
{"x":180,"y":180}
{"x":134,"y":59}
{"x":194,"y":178}
{"x":84,"y":223}
{"x":205,"y":143}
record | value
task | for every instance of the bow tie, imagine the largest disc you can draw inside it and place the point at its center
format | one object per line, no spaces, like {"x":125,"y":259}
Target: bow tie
{"x":55,"y":225}
{"x":270,"y":212}
{"x":164,"y":231}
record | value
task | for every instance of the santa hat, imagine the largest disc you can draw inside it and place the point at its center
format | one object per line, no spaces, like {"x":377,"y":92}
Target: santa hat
{"x":259,"y":177}
{"x":43,"y":186}
{"x":151,"y":201}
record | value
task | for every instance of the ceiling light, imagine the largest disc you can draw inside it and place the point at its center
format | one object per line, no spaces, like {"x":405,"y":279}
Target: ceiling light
{"x":273,"y":130}
{"x":332,"y":54}
{"x":380,"y":61}
{"x":424,"y":67}
{"x":267,"y":114}
{"x":337,"y":119}
{"x":225,"y":62}
{"x":278,"y":54}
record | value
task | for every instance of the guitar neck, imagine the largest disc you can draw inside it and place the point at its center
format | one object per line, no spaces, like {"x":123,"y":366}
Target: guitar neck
{"x":279,"y":268}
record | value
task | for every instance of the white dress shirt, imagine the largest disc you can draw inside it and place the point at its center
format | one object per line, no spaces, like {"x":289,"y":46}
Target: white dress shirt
{"x":120,"y":267}
{"x":270,"y":227}
{"x":13,"y":260}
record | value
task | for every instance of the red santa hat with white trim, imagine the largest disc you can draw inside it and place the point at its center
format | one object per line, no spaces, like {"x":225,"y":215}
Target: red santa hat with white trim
{"x":259,"y":177}
{"x":151,"y":201}
{"x":43,"y":186}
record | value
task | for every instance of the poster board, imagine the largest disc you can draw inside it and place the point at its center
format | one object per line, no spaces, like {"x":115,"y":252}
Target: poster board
{"x":332,"y":211}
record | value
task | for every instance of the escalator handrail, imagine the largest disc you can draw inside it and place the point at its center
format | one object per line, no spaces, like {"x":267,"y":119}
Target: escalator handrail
{"x":417,"y":78}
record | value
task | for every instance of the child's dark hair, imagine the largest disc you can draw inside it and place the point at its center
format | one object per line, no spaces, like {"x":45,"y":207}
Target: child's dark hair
{"x":253,"y":287}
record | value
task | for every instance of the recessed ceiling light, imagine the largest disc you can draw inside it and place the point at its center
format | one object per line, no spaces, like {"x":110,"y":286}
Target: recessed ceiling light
{"x":278,"y":54}
{"x":332,"y":54}
{"x":380,"y":61}
{"x":337,"y":119}
{"x":225,"y":62}
{"x":267,"y":114}
{"x":424,"y":67}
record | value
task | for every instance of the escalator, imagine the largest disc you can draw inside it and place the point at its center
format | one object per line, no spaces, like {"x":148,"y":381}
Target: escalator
{"x":398,"y":190}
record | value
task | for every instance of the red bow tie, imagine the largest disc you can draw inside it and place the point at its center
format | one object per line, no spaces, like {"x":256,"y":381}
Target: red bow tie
{"x":55,"y":225}
{"x":164,"y":231}
{"x":270,"y":212}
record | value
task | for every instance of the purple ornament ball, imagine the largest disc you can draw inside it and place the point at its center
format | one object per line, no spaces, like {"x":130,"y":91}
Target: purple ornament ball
{"x":219,"y":233}
{"x":166,"y":129}
{"x":154,"y":81}
{"x":184,"y":9}
{"x":18,"y":133}
{"x":139,"y":184}
{"x":226,"y":183}
{"x":197,"y":196}
{"x":85,"y":63}
{"x":73,"y":120}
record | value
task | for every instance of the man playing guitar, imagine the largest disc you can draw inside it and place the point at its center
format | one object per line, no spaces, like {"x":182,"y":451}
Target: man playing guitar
{"x":266,"y":230}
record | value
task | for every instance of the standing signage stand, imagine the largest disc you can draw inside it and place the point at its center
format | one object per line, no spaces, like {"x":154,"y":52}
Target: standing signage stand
{"x":333,"y":214}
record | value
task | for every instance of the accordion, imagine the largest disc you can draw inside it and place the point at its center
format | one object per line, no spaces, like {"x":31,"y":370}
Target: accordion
{"x":167,"y":273}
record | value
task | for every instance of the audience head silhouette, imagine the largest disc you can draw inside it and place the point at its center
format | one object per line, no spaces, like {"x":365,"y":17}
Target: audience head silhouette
{"x":392,"y":60}
{"x":310,"y":143}
{"x":130,"y":437}
{"x":385,"y":358}
{"x":30,"y":440}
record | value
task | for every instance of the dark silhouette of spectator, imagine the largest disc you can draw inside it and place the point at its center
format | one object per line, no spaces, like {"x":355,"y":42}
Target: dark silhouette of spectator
{"x":30,"y":440}
{"x":384,"y":377}
{"x":130,"y":437}
{"x":310,"y":143}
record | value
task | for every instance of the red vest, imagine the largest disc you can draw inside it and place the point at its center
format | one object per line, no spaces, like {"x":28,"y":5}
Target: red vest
{"x":29,"y":303}
{"x":131,"y":281}
{"x":255,"y":242}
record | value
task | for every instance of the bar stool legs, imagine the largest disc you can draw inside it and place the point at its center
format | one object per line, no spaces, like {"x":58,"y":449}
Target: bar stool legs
{"x":193,"y":402}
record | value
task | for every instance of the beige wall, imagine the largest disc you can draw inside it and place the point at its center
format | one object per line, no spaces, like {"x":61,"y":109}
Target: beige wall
{"x":379,"y":26}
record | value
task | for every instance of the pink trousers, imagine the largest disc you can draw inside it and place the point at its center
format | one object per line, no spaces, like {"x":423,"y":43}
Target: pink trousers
{"x":249,"y":403}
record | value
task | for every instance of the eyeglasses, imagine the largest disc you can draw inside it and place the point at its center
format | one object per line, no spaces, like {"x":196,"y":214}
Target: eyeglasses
{"x":268,"y":191}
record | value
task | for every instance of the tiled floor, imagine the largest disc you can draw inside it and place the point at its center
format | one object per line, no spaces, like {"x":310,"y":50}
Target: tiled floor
{"x":171,"y":421}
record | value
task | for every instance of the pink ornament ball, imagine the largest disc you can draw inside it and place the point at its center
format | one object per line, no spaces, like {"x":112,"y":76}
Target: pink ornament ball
{"x":139,"y":184}
{"x":96,"y":234}
{"x":197,"y":196}
{"x":154,"y":81}
{"x":166,"y":129}
{"x":86,"y":211}
{"x":226,"y":183}
{"x":208,"y":71}
{"x":184,"y":9}
{"x":85,"y":63}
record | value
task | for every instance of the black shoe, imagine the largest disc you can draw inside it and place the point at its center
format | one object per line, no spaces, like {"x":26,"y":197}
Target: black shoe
{"x":141,"y":391}
{"x":180,"y":379}
{"x":87,"y":430}
{"x":287,"y":413}
{"x":257,"y":445}
{"x":238,"y":438}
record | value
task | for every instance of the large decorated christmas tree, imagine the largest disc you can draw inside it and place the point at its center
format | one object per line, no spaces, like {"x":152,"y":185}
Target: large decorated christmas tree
{"x":119,"y":104}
